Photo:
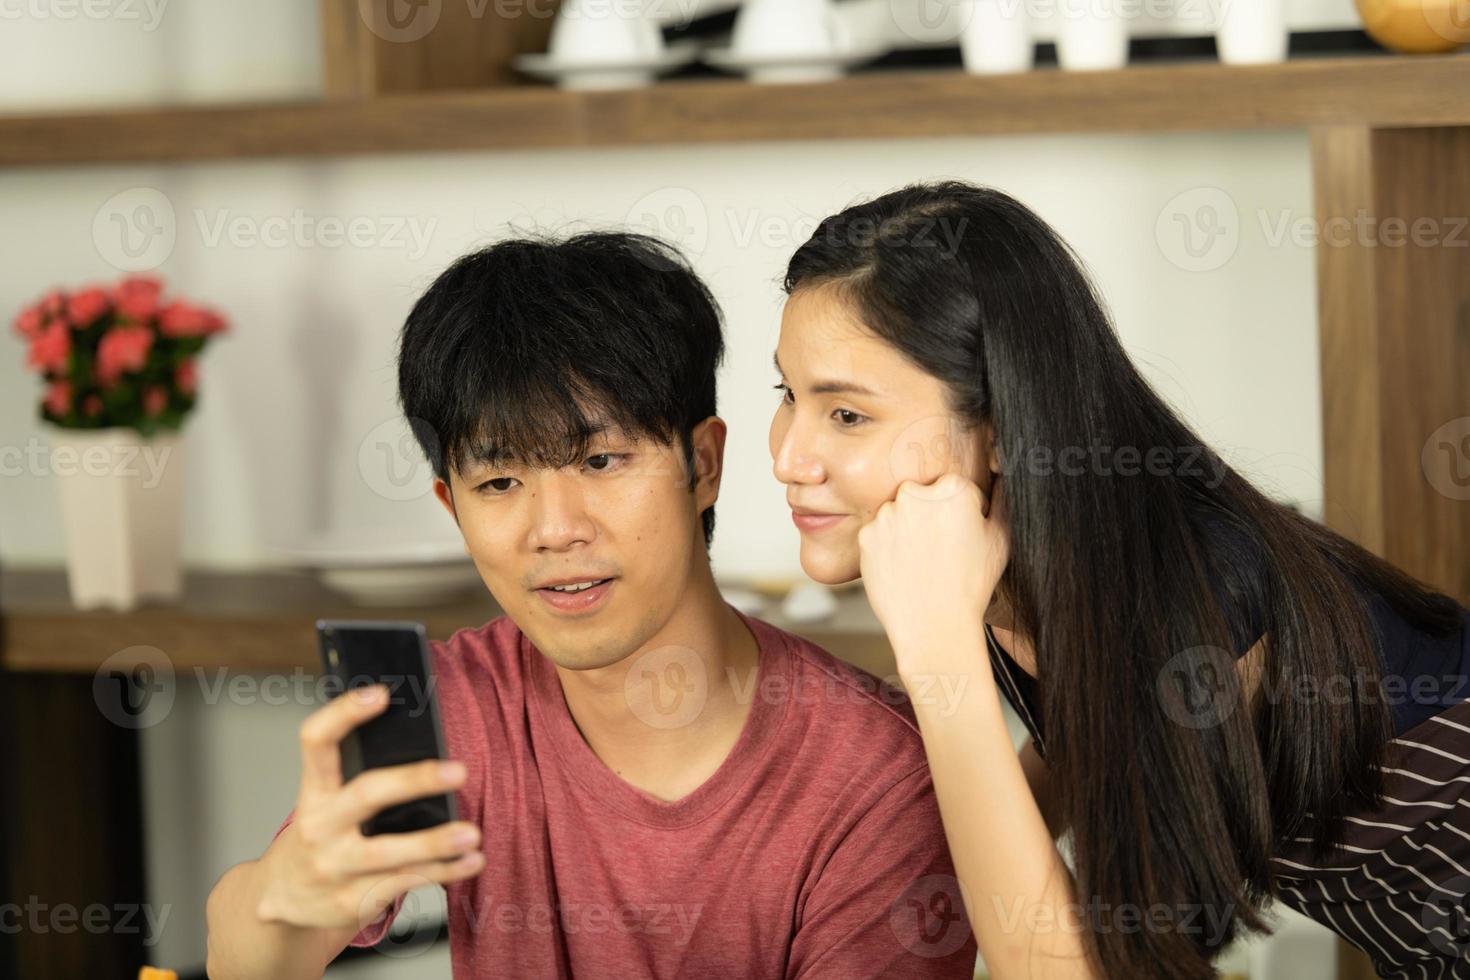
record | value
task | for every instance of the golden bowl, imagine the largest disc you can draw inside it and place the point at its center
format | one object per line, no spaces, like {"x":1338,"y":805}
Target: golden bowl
{"x":1417,"y":26}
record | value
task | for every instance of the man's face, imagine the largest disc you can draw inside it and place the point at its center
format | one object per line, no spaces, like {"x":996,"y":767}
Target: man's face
{"x":625,"y":515}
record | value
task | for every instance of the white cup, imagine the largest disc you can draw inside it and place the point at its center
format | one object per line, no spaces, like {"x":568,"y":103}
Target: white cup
{"x":1091,"y":35}
{"x":788,"y":28}
{"x":595,"y":31}
{"x":997,"y":39}
{"x":1252,"y":32}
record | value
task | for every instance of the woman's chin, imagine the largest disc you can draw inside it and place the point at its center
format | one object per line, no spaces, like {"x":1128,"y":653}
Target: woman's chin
{"x":827,"y":568}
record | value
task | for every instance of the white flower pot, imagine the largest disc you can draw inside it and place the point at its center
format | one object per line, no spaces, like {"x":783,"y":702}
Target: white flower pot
{"x":121,"y":504}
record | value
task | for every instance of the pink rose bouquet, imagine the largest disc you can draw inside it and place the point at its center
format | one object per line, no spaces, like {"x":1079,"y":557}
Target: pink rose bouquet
{"x":123,"y":356}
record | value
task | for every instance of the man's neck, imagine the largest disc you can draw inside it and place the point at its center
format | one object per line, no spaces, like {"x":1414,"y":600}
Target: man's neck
{"x":665,"y":717}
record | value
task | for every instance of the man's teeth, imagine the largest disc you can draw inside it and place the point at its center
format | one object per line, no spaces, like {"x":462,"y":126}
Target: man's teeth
{"x":579,"y":587}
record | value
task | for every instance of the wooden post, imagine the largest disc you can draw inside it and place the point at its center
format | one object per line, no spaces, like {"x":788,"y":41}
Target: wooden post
{"x":385,"y":47}
{"x":71,"y":841}
{"x":1393,"y":262}
{"x":1394,"y":317}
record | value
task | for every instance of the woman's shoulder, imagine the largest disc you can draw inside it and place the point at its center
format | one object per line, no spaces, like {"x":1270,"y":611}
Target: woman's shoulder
{"x":1240,"y":573}
{"x":1237,"y":567}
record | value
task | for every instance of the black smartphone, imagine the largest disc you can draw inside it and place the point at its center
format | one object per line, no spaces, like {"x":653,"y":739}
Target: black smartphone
{"x":359,"y":653}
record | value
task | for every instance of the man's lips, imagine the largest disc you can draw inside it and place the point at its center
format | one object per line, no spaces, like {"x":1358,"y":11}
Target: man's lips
{"x":577,"y":602}
{"x":572,"y":580}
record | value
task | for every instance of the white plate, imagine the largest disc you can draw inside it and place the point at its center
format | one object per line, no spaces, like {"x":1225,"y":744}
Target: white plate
{"x":403,"y":585}
{"x":784,"y":68}
{"x":372,"y":546}
{"x":606,"y":73}
{"x":377,"y":566}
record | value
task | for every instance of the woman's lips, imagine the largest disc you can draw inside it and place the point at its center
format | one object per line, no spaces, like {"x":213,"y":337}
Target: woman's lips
{"x":811,"y":523}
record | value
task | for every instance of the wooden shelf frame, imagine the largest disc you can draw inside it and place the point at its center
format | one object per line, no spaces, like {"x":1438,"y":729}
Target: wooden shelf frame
{"x":1377,"y":91}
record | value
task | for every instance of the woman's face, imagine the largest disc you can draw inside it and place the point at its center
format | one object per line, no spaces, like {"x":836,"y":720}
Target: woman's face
{"x":856,"y":419}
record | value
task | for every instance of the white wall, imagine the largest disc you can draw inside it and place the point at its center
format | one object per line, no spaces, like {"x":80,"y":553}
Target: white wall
{"x":290,"y":398}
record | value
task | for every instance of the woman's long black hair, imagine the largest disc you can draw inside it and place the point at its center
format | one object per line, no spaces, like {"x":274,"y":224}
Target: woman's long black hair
{"x":1111,"y":577}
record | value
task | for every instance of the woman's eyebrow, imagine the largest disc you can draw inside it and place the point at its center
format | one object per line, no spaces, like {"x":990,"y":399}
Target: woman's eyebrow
{"x":833,"y":387}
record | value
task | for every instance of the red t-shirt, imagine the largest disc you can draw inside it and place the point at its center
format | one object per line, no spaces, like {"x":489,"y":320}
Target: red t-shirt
{"x":815,"y":849}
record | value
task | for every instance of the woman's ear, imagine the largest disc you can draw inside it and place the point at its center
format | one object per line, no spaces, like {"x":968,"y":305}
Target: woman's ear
{"x":992,"y":456}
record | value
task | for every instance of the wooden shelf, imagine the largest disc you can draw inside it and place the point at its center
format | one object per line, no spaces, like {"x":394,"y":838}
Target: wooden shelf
{"x":1375,"y":91}
{"x":266,"y":621}
{"x":247,"y":620}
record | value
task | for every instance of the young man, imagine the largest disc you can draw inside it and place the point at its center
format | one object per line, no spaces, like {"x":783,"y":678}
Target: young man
{"x":651,"y":783}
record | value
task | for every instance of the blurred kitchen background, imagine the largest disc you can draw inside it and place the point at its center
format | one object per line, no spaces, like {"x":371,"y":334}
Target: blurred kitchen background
{"x":301,"y":171}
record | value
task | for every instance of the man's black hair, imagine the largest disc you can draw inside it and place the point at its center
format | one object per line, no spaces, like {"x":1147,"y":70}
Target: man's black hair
{"x":523,"y":350}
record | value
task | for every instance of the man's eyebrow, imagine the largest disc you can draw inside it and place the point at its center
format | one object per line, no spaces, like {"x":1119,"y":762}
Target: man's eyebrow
{"x":488,"y":454}
{"x":833,"y":387}
{"x":477,"y":456}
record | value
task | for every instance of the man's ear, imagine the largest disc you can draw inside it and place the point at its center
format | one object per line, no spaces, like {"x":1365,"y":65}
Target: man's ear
{"x":445,"y":494}
{"x":708,"y":443}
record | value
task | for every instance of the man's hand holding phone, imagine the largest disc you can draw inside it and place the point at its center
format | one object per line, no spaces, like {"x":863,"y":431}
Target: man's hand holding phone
{"x":323,"y":872}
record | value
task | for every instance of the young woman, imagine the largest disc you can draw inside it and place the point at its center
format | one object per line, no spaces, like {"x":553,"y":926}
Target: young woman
{"x":1228,"y":703}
